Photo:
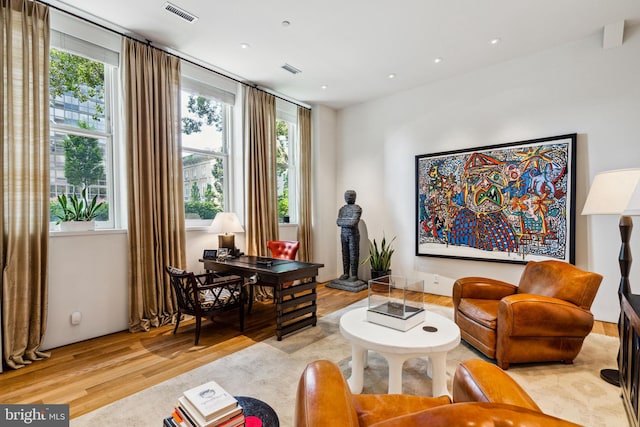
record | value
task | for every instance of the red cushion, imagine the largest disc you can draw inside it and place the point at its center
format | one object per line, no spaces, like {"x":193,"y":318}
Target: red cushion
{"x":285,"y":249}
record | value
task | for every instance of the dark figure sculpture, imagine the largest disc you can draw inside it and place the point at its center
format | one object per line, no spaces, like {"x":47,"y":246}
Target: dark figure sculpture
{"x":348,"y":219}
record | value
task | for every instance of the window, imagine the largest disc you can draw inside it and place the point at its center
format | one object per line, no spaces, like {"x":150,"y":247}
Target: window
{"x":286,"y":163}
{"x":81,"y":141}
{"x":205,"y":148}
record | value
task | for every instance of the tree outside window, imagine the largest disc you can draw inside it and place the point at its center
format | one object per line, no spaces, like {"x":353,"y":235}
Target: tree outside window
{"x":84,"y":161}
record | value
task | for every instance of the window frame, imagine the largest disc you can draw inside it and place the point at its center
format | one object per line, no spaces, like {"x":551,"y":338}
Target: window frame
{"x":111,"y":89}
{"x":197,"y":87}
{"x":287,"y":112}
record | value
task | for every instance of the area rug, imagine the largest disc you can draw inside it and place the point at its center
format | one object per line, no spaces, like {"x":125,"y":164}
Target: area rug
{"x":270,"y":370}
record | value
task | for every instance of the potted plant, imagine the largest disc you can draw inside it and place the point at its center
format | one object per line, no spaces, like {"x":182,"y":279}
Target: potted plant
{"x":78,"y":213}
{"x":380,"y":258}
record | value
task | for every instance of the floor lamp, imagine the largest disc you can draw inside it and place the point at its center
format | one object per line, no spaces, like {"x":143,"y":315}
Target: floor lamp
{"x":610,"y":194}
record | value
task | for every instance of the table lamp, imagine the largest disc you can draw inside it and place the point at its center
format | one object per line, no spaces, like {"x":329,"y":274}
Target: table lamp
{"x":616,"y":192}
{"x":227,"y":223}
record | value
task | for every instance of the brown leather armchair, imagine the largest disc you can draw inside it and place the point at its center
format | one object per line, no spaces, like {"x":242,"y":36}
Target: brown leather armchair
{"x":483,"y":395}
{"x":544,"y":319}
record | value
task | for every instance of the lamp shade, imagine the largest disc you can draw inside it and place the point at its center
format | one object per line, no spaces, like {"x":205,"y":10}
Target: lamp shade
{"x":226,"y":222}
{"x":611,"y":192}
{"x":633,"y":207}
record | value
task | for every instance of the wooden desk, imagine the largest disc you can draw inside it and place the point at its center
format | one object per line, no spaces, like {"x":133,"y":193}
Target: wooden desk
{"x":295,"y":312}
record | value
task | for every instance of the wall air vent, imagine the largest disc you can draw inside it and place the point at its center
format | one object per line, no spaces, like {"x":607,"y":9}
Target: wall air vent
{"x":291,"y":69}
{"x":189,"y":17}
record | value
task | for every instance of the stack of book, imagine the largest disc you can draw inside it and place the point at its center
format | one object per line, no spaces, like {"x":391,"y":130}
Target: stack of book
{"x":207,"y":405}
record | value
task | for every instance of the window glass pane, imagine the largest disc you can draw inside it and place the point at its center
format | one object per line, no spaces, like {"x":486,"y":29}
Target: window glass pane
{"x":202,"y":123}
{"x":204,"y":155}
{"x":203,"y":191}
{"x":287,"y":172}
{"x":77,"y":88}
{"x":78,"y":162}
{"x":282,"y":169}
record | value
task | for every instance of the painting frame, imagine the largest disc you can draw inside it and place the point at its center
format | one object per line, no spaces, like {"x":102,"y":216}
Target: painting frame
{"x":512,"y":202}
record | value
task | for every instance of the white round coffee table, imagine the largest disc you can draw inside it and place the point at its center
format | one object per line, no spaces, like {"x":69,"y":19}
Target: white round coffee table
{"x":397,"y":346}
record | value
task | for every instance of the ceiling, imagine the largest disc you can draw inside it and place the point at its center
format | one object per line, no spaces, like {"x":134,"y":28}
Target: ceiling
{"x":346,"y":49}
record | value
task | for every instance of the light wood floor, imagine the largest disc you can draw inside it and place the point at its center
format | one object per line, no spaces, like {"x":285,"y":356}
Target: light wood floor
{"x":96,"y":372}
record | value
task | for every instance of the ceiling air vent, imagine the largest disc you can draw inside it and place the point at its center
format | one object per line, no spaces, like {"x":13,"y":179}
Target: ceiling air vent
{"x":291,"y":69}
{"x":189,"y":17}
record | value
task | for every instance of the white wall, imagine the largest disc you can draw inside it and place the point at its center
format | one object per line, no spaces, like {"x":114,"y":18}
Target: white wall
{"x":579,"y":88}
{"x":88,"y":274}
{"x":324,"y":199}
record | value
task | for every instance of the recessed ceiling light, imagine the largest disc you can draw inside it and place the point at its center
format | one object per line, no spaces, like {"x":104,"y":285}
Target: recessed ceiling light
{"x":437,"y":60}
{"x":286,"y":23}
{"x":392,"y":76}
{"x":324,"y":87}
{"x":245,"y":45}
{"x":495,"y":40}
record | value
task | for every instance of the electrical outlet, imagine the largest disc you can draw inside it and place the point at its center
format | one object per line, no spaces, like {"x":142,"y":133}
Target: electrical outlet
{"x":435,"y":279}
{"x":76,"y":317}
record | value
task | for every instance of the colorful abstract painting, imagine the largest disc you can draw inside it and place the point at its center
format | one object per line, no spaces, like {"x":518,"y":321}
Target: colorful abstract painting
{"x":509,"y":202}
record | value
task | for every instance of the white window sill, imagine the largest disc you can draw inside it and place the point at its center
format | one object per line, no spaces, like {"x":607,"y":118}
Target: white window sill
{"x":98,"y":231}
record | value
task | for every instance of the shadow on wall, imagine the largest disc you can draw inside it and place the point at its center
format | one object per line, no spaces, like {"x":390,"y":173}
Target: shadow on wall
{"x":364,"y":271}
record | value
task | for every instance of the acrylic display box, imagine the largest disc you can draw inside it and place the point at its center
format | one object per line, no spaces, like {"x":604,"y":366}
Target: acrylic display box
{"x":395,"y":302}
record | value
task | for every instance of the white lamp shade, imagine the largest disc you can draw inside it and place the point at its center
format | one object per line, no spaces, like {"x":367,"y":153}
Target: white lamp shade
{"x":611,"y":192}
{"x":633,"y":207}
{"x":226,"y":222}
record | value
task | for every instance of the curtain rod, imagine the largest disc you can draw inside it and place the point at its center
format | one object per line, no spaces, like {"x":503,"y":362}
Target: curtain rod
{"x":148,"y":42}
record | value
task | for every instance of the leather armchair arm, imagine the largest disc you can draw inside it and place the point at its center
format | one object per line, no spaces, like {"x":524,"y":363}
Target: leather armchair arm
{"x":476,"y":414}
{"x":477,"y":380}
{"x":529,"y":315}
{"x":481,"y":288}
{"x":324,"y":398}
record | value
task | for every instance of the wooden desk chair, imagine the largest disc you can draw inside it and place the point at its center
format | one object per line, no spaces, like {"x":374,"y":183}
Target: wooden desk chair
{"x":204,"y":295}
{"x":283,"y":249}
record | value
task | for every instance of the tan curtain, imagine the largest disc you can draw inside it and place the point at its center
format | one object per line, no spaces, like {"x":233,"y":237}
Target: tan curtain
{"x":262,"y":197}
{"x":154,"y":172}
{"x":24,"y":205}
{"x":305,"y":253}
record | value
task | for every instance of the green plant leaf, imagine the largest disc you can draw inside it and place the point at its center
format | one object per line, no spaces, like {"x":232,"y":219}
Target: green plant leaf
{"x":79,"y":209}
{"x":380,"y":258}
